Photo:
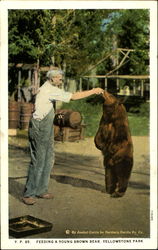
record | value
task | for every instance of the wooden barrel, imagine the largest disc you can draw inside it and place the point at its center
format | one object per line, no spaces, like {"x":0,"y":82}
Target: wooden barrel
{"x":67,"y":118}
{"x":14,"y":114}
{"x":26,"y":114}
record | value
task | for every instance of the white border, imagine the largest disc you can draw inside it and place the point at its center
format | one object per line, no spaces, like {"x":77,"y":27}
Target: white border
{"x":79,"y":4}
{"x":7,"y":243}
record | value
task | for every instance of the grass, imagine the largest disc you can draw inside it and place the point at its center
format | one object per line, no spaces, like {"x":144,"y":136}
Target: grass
{"x":21,"y":140}
{"x":139,"y":124}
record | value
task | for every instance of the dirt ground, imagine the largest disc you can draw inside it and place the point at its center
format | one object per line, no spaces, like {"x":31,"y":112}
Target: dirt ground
{"x":80,"y":208}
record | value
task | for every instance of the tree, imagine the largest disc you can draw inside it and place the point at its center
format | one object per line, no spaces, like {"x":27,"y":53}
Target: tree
{"x":78,"y":38}
{"x":130,"y":29}
{"x":74,"y":39}
{"x":71,"y":38}
{"x":28,"y":34}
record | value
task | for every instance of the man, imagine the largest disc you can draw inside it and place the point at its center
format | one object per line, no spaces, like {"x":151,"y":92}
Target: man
{"x":41,"y":135}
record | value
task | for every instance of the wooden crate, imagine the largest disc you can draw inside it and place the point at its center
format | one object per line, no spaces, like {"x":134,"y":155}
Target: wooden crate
{"x":69,"y":134}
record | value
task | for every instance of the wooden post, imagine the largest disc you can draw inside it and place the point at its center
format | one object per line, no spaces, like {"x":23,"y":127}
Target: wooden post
{"x":80,"y":85}
{"x":29,"y":75}
{"x":39,"y":79}
{"x":93,"y":83}
{"x":19,"y":80}
{"x":33,"y":82}
{"x":117,"y":63}
{"x":38,"y":71}
{"x":106,"y":83}
{"x":134,"y":88}
{"x":72,"y":85}
{"x":117,"y":84}
{"x":142,"y":88}
{"x":36,"y":80}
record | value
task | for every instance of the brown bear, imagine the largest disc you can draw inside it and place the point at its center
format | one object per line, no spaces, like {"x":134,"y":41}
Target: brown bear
{"x":113,"y":138}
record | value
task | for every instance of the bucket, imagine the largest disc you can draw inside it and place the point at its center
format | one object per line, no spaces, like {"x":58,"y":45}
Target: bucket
{"x":14,"y":114}
{"x":26,"y":114}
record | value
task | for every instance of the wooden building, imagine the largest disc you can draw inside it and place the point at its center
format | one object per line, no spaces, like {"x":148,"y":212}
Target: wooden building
{"x":140,"y":83}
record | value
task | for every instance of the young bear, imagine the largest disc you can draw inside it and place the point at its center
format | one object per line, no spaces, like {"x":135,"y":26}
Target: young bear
{"x":113,"y":138}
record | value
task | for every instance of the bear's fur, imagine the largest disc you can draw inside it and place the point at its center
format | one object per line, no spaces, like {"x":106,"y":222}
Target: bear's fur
{"x":113,"y":138}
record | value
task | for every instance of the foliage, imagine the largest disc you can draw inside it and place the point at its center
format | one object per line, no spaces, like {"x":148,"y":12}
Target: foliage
{"x":68,"y":38}
{"x":142,"y":110}
{"x":29,"y":33}
{"x":76,"y":39}
{"x":130,"y":29}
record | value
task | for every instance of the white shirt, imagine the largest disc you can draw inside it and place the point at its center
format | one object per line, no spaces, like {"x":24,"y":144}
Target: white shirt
{"x":48,"y":93}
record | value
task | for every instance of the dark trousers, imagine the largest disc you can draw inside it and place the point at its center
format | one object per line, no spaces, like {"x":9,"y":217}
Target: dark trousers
{"x":41,"y":142}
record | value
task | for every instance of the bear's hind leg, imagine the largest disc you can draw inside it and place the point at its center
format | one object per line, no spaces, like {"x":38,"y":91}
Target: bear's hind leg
{"x":110,"y":180}
{"x":122,"y":184}
{"x":122,"y":171}
{"x":121,"y":188}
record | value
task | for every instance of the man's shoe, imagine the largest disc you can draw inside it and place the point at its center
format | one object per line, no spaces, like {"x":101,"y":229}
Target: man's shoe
{"x":29,"y":200}
{"x":46,"y":196}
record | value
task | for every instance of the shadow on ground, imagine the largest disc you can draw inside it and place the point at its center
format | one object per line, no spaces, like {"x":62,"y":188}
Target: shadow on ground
{"x":77,"y":182}
{"x":19,"y":148}
{"x":16,"y":189}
